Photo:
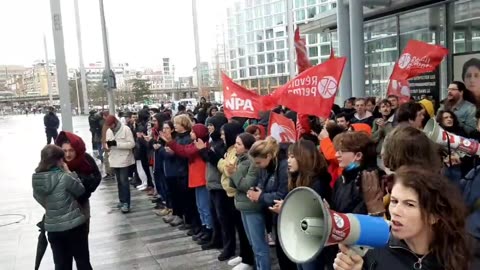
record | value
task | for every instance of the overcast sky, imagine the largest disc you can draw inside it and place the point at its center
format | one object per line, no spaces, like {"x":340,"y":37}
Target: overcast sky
{"x":141,"y":32}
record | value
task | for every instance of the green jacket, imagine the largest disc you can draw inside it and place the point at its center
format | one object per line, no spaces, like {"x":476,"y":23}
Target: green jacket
{"x":244,"y":178}
{"x":57,"y":192}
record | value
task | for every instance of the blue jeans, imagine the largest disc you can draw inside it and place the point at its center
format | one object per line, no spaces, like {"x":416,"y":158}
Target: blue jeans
{"x":162,"y":188}
{"x":254,"y":224}
{"x":203,"y":206}
{"x":121,"y":174}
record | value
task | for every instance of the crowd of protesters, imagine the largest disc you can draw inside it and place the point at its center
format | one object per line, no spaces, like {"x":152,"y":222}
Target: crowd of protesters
{"x":220,"y":179}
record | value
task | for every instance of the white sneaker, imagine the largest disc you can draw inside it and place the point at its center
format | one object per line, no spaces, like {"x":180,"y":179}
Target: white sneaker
{"x":142,"y":187}
{"x":235,"y":261}
{"x":242,"y":266}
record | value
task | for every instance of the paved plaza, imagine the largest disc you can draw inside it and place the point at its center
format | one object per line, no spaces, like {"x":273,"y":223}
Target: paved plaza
{"x":138,"y":240}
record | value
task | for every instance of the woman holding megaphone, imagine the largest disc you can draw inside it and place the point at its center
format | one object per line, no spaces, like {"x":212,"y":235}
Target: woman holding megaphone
{"x":428,"y":227}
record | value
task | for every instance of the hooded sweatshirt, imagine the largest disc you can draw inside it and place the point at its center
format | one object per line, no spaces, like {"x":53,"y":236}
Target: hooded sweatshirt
{"x":231,"y":131}
{"x":196,"y":165}
{"x":83,"y":165}
{"x":57,"y":191}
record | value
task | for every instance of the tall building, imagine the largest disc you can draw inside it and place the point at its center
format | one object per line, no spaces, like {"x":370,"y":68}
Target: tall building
{"x":35,"y":79}
{"x":205,"y":75}
{"x":94,"y":74}
{"x":8,"y":75}
{"x":257,"y":45}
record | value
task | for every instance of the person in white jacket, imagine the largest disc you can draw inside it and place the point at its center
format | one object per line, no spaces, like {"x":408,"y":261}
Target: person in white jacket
{"x":120,"y":142}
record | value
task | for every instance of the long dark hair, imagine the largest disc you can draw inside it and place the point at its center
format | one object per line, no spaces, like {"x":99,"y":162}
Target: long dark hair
{"x":49,"y":158}
{"x":311,"y":163}
{"x":455,"y":125}
{"x":440,"y":200}
{"x":172,"y":127}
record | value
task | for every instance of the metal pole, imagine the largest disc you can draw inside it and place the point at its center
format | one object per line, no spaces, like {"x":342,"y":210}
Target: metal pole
{"x":343,"y":34}
{"x":47,"y":70}
{"x":291,"y":41}
{"x":357,"y":48}
{"x":62,"y":76}
{"x":197,"y":46}
{"x":78,"y":96}
{"x":83,"y":76}
{"x":111,"y":101}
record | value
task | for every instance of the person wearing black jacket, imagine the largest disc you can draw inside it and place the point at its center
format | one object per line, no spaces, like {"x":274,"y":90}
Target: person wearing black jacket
{"x":218,"y":196}
{"x":271,"y":159}
{"x":51,"y":122}
{"x":141,"y":151}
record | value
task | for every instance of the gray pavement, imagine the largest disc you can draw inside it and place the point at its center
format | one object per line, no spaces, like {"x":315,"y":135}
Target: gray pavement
{"x":138,"y":240}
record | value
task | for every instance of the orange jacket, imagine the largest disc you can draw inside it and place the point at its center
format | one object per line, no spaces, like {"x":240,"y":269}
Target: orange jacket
{"x":196,"y":165}
{"x":328,"y":150}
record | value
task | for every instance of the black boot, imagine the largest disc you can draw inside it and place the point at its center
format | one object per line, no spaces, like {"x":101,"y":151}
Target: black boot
{"x":193,"y":231}
{"x":197,"y":236}
{"x":225,"y":255}
{"x":185,"y":227}
{"x":206,"y":237}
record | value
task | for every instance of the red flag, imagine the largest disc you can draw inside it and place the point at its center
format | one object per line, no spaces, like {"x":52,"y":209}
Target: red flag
{"x":302,"y":125}
{"x":313,"y":91}
{"x":281,"y":128}
{"x":303,"y":62}
{"x":239,"y":101}
{"x":417,"y":58}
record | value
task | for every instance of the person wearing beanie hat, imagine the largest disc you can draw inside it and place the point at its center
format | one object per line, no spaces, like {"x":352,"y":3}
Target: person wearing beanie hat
{"x":120,"y":142}
{"x":196,"y":177}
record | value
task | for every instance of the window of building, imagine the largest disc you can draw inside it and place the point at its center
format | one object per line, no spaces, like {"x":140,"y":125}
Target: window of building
{"x":251,"y":48}
{"x":311,"y":2}
{"x":325,"y":50}
{"x":251,"y":60}
{"x":271,"y":69}
{"x":249,"y":3}
{"x":260,"y":35}
{"x":299,"y":3}
{"x":314,"y":62}
{"x":313,"y":51}
{"x":232,"y":54}
{"x":300,"y":15}
{"x":258,"y":12}
{"x":269,"y":33}
{"x":234,"y":75}
{"x":279,"y":34}
{"x":269,"y":21}
{"x":280,"y":56}
{"x":240,"y":29}
{"x":261,"y":59}
{"x":249,"y":25}
{"x":270,"y":46}
{"x":279,"y":19}
{"x":261,"y":70}
{"x":259,"y":24}
{"x":323,"y":8}
{"x":280,"y":44}
{"x":250,"y":37}
{"x":242,"y":62}
{"x":233,"y":64}
{"x":241,"y":41}
{"x":281,"y":68}
{"x":279,"y":7}
{"x":312,"y":38}
{"x":312,"y":12}
{"x":273,"y":80}
{"x":260,"y":47}
{"x":254,"y":83}
{"x":283,"y":80}
{"x":249,"y":14}
{"x":270,"y":57}
{"x":252,"y":71}
{"x":268,"y":9}
{"x":243,"y":73}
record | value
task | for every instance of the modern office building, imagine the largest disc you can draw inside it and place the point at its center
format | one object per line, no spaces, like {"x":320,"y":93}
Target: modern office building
{"x":35,"y":81}
{"x":386,"y":29}
{"x":257,"y":48}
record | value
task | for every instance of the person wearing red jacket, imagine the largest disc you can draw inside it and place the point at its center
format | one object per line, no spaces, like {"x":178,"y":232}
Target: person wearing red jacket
{"x":196,"y":177}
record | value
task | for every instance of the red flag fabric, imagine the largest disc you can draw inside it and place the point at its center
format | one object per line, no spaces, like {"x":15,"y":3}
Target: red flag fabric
{"x":303,"y":62}
{"x":239,"y":101}
{"x":281,"y":128}
{"x":302,"y":125}
{"x":313,"y":91}
{"x":417,"y":58}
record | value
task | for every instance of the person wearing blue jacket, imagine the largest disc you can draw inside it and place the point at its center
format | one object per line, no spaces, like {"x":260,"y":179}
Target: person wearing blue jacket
{"x":271,"y":159}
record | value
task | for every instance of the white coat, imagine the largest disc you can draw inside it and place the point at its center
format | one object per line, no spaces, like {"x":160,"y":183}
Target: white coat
{"x":121,"y":156}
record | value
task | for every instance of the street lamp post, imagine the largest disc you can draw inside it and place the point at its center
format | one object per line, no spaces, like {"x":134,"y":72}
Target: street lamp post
{"x":111,"y":101}
{"x":82,"y":66}
{"x":62,"y":76}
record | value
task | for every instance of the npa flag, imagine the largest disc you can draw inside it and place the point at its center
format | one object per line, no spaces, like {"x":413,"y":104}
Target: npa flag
{"x":417,"y":58}
{"x":313,"y":91}
{"x":239,"y":101}
{"x":281,"y":128}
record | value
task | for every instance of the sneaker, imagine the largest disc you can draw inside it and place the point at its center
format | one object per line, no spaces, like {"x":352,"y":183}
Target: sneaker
{"x":119,"y":205}
{"x":177,"y":221}
{"x":235,"y":261}
{"x":162,"y":212}
{"x":242,"y":266}
{"x":168,"y":219}
{"x":270,"y":240}
{"x":125,"y":208}
{"x":142,"y":187}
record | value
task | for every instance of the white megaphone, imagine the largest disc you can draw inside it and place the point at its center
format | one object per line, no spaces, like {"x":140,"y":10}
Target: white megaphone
{"x":306,"y":226}
{"x":436,"y":133}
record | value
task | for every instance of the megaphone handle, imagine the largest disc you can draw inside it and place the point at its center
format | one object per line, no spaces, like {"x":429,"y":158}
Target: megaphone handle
{"x":357,"y":250}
